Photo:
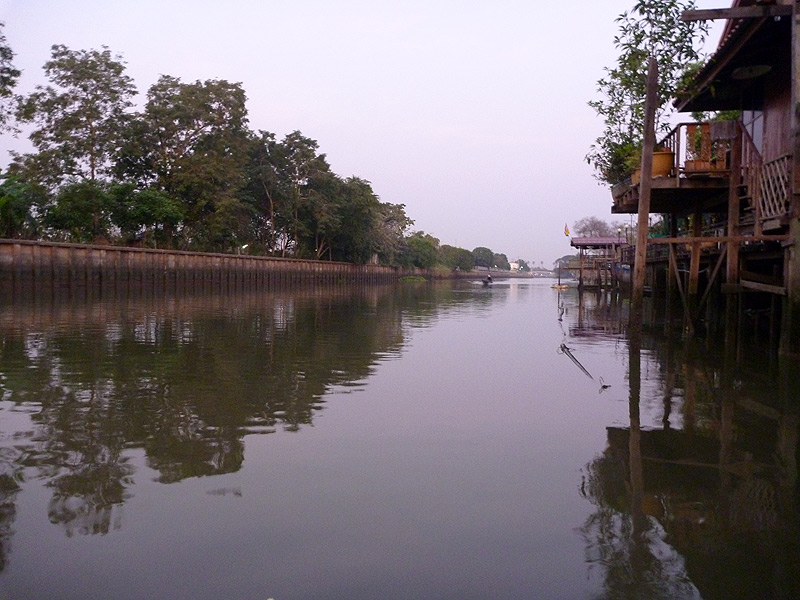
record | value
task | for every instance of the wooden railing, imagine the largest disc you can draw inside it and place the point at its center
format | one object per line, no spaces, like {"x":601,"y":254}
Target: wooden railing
{"x":703,"y":150}
{"x":774,"y":187}
{"x":700,"y":148}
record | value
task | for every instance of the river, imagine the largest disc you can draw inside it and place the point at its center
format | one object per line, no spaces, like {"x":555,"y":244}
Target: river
{"x":404,"y":441}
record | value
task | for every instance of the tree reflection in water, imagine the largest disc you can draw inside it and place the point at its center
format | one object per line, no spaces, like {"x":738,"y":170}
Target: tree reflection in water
{"x":10,"y":476}
{"x":183,"y":380}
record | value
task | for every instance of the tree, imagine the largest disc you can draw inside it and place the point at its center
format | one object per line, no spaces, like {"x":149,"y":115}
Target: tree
{"x":391,"y":226}
{"x":564,"y":261}
{"x":650,"y":28}
{"x":82,"y":210}
{"x":148,"y":213}
{"x":594,"y":227}
{"x":501,"y":262}
{"x":483,"y":257}
{"x":420,"y":250}
{"x":456,"y":258}
{"x":338,"y":218}
{"x":355,"y":239}
{"x":78,"y":119}
{"x":20,"y":208}
{"x":9,"y":75}
{"x":264,"y":191}
{"x":523,"y":265}
{"x":191,"y":142}
{"x":299,"y":163}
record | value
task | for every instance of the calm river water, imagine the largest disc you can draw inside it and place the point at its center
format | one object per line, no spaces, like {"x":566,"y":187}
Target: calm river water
{"x":414,"y":441}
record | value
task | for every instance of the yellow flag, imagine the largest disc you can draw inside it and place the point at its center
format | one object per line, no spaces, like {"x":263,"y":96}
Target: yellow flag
{"x":566,"y":229}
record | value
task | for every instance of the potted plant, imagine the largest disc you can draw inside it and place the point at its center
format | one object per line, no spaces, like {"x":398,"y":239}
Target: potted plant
{"x":663,"y":161}
{"x":651,"y":28}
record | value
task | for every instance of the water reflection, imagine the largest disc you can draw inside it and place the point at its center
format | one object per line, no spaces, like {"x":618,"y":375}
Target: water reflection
{"x":185,"y":379}
{"x":706,"y":505}
{"x":391,"y":442}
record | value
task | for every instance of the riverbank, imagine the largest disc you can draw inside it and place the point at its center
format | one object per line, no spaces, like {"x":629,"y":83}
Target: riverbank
{"x":82,"y":270}
{"x":42,"y":269}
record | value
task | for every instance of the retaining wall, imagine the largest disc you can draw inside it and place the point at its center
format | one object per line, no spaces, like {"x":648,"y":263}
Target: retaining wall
{"x":77,"y":270}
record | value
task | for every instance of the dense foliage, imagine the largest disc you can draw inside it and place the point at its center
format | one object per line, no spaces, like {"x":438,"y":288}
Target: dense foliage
{"x":185,"y":171}
{"x":650,"y":28}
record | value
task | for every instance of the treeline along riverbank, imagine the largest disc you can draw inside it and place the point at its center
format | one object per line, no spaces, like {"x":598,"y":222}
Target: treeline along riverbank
{"x":59,"y":270}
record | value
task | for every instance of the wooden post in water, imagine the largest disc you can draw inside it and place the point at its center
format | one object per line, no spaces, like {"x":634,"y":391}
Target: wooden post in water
{"x":645,"y":186}
{"x":692,"y":288}
{"x":637,"y":301}
{"x":734,"y":297}
{"x":790,"y":329}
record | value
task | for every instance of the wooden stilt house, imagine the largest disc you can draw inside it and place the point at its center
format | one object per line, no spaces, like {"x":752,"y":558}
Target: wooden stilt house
{"x":599,"y":264}
{"x":730,"y":189}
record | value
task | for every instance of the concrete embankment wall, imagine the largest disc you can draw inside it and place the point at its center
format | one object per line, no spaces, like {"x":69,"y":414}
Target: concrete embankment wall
{"x":77,"y":270}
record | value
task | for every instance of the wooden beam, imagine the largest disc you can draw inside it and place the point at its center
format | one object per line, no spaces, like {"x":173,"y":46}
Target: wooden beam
{"x":719,"y":239}
{"x":713,"y":278}
{"x":694,"y":258}
{"x":760,"y":278}
{"x":738,"y":12}
{"x":763,"y":287}
{"x":674,"y":268}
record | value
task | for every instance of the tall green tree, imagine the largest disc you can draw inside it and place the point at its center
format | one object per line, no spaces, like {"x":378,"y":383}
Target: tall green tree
{"x":299,"y":164}
{"x":501,"y":262}
{"x":264,"y":192}
{"x":456,"y":258}
{"x":321,"y":215}
{"x":649,"y":28}
{"x":21,"y":207}
{"x":78,"y":119}
{"x":147,"y":213}
{"x":354,"y":235}
{"x":9,"y":75}
{"x":191,"y":142}
{"x":391,"y":227}
{"x":421,"y":250}
{"x":82,"y":211}
{"x":483,"y":257}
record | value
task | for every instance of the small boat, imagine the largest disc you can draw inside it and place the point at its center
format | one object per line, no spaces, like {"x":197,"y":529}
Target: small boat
{"x":487,"y":282}
{"x":559,"y":285}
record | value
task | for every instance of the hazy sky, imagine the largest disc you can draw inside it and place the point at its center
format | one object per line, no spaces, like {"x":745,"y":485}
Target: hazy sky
{"x":472,"y":114}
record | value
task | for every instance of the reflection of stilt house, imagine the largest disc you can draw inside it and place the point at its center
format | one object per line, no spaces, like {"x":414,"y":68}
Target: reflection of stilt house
{"x":598,"y":261}
{"x":730,"y":190}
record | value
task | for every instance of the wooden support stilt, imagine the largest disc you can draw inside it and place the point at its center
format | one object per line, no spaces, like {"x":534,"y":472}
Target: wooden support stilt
{"x":713,"y":277}
{"x":645,"y":187}
{"x":790,"y":327}
{"x":732,"y":269}
{"x":694,"y":274}
{"x":673,"y":263}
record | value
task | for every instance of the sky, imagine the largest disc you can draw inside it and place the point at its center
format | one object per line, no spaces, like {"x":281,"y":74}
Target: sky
{"x":473,"y":115}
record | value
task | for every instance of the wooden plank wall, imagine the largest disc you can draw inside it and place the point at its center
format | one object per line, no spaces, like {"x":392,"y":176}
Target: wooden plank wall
{"x":45,"y":269}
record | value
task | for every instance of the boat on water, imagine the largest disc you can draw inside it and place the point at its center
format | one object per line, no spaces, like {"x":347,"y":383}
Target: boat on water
{"x":559,"y":285}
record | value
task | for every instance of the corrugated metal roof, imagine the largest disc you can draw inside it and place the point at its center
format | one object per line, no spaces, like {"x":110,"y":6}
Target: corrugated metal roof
{"x":597,"y":242}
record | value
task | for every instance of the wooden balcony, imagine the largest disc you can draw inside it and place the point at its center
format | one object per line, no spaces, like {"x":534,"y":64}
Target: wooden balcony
{"x":698,"y":178}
